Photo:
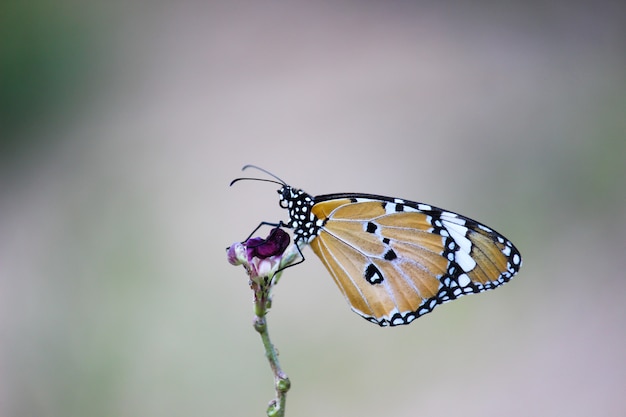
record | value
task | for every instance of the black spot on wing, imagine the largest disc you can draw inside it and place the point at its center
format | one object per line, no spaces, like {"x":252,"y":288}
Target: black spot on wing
{"x":390,"y":255}
{"x":373,"y":274}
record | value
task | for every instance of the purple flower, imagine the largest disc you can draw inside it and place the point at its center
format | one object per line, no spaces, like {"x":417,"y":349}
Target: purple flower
{"x":263,"y":257}
{"x":275,"y":244}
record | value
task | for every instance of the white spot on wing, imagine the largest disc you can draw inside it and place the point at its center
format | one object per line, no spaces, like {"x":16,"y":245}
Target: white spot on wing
{"x":458,"y":234}
{"x":398,"y":320}
{"x":410,"y":318}
{"x":465,"y":261}
{"x":390,"y":208}
{"x":485,"y":228}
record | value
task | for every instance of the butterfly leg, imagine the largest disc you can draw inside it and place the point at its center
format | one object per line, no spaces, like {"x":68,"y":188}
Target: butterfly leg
{"x":279,"y":224}
{"x":294,"y":264}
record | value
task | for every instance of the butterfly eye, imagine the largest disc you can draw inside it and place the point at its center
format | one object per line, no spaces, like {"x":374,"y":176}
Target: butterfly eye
{"x":285,"y":194}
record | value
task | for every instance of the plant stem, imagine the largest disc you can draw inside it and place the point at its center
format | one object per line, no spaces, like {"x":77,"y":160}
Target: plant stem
{"x":282,"y":384}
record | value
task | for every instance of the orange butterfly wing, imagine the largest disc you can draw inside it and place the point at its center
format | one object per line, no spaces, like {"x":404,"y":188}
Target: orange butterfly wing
{"x":395,"y":260}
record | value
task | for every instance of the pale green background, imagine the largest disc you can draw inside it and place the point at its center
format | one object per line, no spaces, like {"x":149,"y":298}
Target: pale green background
{"x":122,"y":126}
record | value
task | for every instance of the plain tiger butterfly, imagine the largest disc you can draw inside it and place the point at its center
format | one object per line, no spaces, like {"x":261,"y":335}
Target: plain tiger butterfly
{"x":395,"y":260}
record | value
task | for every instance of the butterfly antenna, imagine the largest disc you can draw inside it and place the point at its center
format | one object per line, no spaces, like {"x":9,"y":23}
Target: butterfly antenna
{"x":255,"y":179}
{"x":265,"y":171}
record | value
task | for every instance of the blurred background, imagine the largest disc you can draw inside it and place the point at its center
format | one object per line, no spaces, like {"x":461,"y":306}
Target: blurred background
{"x":122,"y":124}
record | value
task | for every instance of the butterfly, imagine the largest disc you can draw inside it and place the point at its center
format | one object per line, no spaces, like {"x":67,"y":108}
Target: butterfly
{"x":395,"y":260}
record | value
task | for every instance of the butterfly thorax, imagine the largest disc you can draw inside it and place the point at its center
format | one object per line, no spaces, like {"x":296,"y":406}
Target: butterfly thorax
{"x":306,"y":226}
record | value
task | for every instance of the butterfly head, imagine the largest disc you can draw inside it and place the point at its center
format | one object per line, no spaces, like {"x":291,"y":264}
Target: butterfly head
{"x":306,"y":226}
{"x":304,"y":223}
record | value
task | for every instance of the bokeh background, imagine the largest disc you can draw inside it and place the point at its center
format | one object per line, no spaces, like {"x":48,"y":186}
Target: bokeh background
{"x":122,"y":124}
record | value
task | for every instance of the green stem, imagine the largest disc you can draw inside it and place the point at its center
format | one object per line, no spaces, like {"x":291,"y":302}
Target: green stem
{"x":282,"y":384}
